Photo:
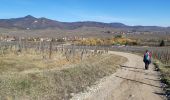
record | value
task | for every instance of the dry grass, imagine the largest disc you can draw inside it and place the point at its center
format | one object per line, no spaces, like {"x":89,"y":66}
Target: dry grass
{"x":27,"y":77}
{"x":32,"y":60}
{"x":165,"y":76}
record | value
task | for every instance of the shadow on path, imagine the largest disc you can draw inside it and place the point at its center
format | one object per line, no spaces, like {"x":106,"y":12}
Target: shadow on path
{"x":162,"y":95}
{"x":138,"y":82}
{"x":138,"y":70}
{"x":153,"y":79}
{"x":153,"y":74}
{"x":158,"y":93}
{"x":131,"y":67}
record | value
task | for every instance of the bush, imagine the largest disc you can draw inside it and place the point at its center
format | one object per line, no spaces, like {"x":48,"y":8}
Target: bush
{"x":60,"y":40}
{"x":162,"y":43}
{"x":118,"y":36}
{"x":107,"y":41}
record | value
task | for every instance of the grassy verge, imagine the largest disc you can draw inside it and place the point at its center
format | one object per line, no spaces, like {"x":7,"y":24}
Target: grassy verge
{"x":165,"y":76}
{"x":53,"y":84}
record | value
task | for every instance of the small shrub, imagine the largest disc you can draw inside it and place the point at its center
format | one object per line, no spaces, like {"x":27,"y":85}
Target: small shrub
{"x":162,"y":43}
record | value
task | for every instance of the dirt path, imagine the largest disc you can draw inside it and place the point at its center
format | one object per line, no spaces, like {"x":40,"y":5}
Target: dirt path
{"x":131,"y":82}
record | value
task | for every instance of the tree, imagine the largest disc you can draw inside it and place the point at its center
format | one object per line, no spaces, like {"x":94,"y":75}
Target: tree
{"x":118,"y":36}
{"x":162,"y":43}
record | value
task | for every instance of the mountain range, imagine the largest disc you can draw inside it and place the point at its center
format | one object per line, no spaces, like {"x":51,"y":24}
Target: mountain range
{"x":30,"y":22}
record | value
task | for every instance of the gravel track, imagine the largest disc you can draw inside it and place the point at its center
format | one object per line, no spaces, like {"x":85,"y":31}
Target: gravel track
{"x":130,"y":82}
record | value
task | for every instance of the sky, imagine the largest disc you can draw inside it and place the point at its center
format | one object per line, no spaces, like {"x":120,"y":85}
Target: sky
{"x":130,"y":12}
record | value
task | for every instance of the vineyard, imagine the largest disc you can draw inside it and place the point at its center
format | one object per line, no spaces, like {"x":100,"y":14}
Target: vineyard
{"x":43,"y":55}
{"x":62,"y":69}
{"x":50,"y":49}
{"x":159,"y":53}
{"x":47,"y":50}
{"x":47,"y":70}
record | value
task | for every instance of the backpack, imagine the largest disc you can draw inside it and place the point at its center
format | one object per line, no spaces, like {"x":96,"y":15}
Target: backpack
{"x":147,"y":57}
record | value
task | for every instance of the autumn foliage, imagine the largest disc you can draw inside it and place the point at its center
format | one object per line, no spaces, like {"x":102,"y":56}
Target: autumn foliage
{"x":106,"y":41}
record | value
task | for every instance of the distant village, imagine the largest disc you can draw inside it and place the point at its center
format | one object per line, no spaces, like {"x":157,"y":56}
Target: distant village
{"x":9,"y":38}
{"x":35,"y":39}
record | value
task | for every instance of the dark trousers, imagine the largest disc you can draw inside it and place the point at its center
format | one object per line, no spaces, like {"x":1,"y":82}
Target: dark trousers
{"x":147,"y":65}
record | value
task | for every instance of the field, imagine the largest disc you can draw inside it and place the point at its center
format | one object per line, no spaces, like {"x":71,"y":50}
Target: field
{"x":52,"y":72}
{"x":151,"y":39}
{"x":56,"y":32}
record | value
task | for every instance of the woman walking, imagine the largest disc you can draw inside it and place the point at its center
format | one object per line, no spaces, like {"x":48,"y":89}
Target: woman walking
{"x":147,"y":59}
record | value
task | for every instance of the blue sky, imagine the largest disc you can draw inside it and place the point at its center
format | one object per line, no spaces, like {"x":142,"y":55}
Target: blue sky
{"x":130,"y":12}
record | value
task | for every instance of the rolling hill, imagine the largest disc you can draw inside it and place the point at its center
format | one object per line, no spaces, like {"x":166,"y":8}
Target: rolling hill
{"x":30,"y":22}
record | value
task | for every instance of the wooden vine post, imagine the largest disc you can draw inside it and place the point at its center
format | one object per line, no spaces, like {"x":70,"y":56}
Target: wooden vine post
{"x":50,"y":49}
